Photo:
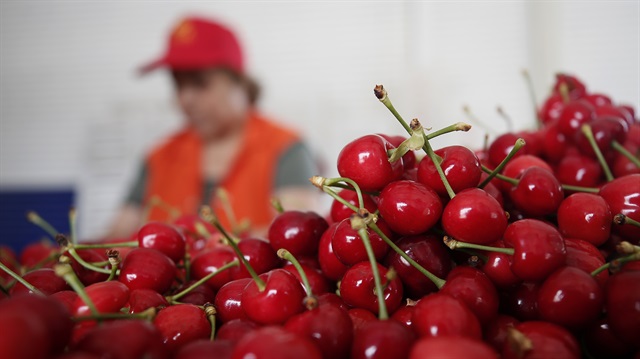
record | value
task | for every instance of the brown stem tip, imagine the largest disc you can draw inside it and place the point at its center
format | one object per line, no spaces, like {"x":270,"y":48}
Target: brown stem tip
{"x":450,"y":242}
{"x":62,"y":240}
{"x":380,"y":92}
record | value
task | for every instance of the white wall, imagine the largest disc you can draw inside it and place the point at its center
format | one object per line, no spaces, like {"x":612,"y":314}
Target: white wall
{"x":73,"y":112}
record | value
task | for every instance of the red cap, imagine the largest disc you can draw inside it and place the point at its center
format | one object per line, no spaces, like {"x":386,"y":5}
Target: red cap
{"x":196,"y":43}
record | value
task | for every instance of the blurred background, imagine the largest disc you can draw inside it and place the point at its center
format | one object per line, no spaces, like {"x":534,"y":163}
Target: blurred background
{"x":76,"y":120}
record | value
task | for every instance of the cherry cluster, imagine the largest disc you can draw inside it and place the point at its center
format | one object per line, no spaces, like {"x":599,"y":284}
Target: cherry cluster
{"x":528,"y":248}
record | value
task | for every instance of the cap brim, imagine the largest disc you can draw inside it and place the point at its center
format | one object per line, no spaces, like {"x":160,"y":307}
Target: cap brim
{"x":154,"y":65}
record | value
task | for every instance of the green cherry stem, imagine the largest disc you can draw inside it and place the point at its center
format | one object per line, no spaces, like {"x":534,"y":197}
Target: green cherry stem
{"x":178,"y":296}
{"x":621,"y":219}
{"x":623,"y":151}
{"x":617,"y":263}
{"x":532,"y":96}
{"x":73,"y":220}
{"x":516,"y":147}
{"x":588,"y":133}
{"x":358,"y":224}
{"x":63,"y":241}
{"x":566,"y":187}
{"x":114,"y":261}
{"x":187,"y":266}
{"x":381,"y":94}
{"x":322,"y":182}
{"x":455,"y":244}
{"x":332,"y":193}
{"x":277,"y":205}
{"x":211,"y":312}
{"x":310,"y":301}
{"x":458,"y":126}
{"x":147,"y":314}
{"x":223,"y":196}
{"x":35,"y":218}
{"x":20,"y":279}
{"x":66,"y":272}
{"x":105,"y":245}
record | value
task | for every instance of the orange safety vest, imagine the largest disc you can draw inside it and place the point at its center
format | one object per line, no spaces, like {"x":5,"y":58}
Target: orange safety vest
{"x":175,"y":173}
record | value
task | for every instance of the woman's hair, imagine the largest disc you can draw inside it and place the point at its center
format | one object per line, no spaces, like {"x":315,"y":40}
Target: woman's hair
{"x":251,"y":86}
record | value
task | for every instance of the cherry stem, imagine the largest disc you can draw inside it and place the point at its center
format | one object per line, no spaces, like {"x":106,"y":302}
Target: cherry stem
{"x":65,"y":244}
{"x":588,"y":133}
{"x":147,"y":314}
{"x":337,"y":197}
{"x":223,"y":196}
{"x":114,"y":261}
{"x":617,"y":263}
{"x":516,"y":147}
{"x":455,"y":244}
{"x":623,"y":151}
{"x":211,"y":312}
{"x":20,"y":279}
{"x":381,"y":94}
{"x":474,"y":119}
{"x":566,"y":187}
{"x":105,"y":245}
{"x":66,"y":272}
{"x":344,"y":186}
{"x":507,"y":119}
{"x":207,"y":214}
{"x":532,"y":96}
{"x":277,"y":205}
{"x":432,"y":277}
{"x":35,"y":218}
{"x":348,"y":181}
{"x":156,"y":201}
{"x":202,"y":280}
{"x":564,"y":92}
{"x":621,"y":219}
{"x":458,"y":126}
{"x":358,"y":223}
{"x":310,"y":302}
{"x":73,"y":220}
{"x":187,"y":266}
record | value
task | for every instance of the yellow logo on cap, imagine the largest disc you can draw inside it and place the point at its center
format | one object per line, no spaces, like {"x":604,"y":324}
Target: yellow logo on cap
{"x":184,"y":33}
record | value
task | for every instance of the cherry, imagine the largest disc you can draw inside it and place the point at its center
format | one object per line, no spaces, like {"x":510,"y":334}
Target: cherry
{"x":205,"y":349}
{"x":574,"y":115}
{"x":451,"y":348}
{"x":357,"y":288}
{"x":66,"y":298}
{"x":331,"y":266}
{"x":339,"y":211}
{"x":26,"y":329}
{"x":364,"y":160}
{"x":579,"y":170}
{"x":189,"y":223}
{"x":430,"y":253}
{"x":498,"y":268}
{"x":439,"y":314}
{"x":545,"y":340}
{"x":575,"y":88}
{"x":570,"y":297}
{"x":126,"y":339}
{"x":409,"y":160}
{"x":38,"y":254}
{"x":585,"y":256}
{"x":143,"y":299}
{"x":328,"y":326}
{"x":495,"y":333}
{"x":534,"y":140}
{"x":521,"y":301}
{"x":88,"y":276}
{"x":44,"y":279}
{"x":474,"y":216}
{"x":163,"y":238}
{"x":199,"y":295}
{"x":409,"y":207}
{"x":556,"y":145}
{"x":404,"y":315}
{"x":381,"y":339}
{"x":332,"y":299}
{"x":228,"y":300}
{"x":460,"y":165}
{"x":260,"y":256}
{"x":275,"y":343}
{"x":615,"y":111}
{"x":108,"y":297}
{"x":360,"y":317}
{"x":539,"y":249}
{"x":605,"y":130}
{"x":280,"y":299}
{"x":622,"y":196}
{"x":585,"y":216}
{"x":622,"y":166}
{"x":518,"y":165}
{"x":298,"y":232}
{"x":598,"y":99}
{"x":622,"y":298}
{"x":349,"y":248}
{"x":317,"y":281}
{"x":212,"y":260}
{"x":235,"y":329}
{"x":145,"y":268}
{"x":501,"y":146}
{"x":538,"y":193}
{"x":180,"y":324}
{"x":551,"y":109}
{"x":471,"y":286}
{"x":601,"y":342}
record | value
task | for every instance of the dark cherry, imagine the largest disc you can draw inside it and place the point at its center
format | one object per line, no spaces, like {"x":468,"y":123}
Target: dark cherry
{"x":163,"y":238}
{"x":474,"y":288}
{"x":260,"y":255}
{"x":339,"y":211}
{"x":382,"y":339}
{"x":108,"y":297}
{"x":429,"y":252}
{"x":206,"y":349}
{"x":622,"y":300}
{"x":586,"y":257}
{"x":501,"y":146}
{"x":26,"y":329}
{"x":319,"y":284}
{"x":181,"y":324}
{"x":365,"y":161}
{"x":409,"y":207}
{"x":451,"y":348}
{"x":440,"y":314}
{"x":328,"y":326}
{"x":602,"y":343}
{"x":474,"y":216}
{"x":579,"y":170}
{"x":521,"y":301}
{"x":275,"y":343}
{"x":126,"y":339}
{"x":228,"y":300}
{"x":331,"y":266}
{"x":357,"y":288}
{"x":145,"y":268}
{"x":585,"y":216}
{"x":235,"y":329}
{"x":495,"y":333}
{"x":44,"y":279}
{"x":210,"y":261}
{"x":622,"y":196}
{"x":574,"y":115}
{"x":298,"y":232}
{"x":349,"y":248}
{"x":404,"y":315}
{"x":281,"y":298}
{"x":200,"y":295}
{"x":143,"y":299}
{"x":547,"y":341}
{"x":538,"y":193}
{"x":460,"y":165}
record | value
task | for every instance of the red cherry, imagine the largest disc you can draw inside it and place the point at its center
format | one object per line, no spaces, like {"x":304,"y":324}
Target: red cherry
{"x":579,"y":170}
{"x":439,"y":314}
{"x":574,"y":115}
{"x":615,"y":111}
{"x":585,"y":216}
{"x":605,"y":130}
{"x":181,"y":324}
{"x":331,"y":266}
{"x":235,"y":329}
{"x":622,"y":196}
{"x":498,"y":268}
{"x":298,"y":232}
{"x":570,"y":297}
{"x":26,"y":329}
{"x":189,"y":223}
{"x":210,"y":261}
{"x":451,"y":348}
{"x":598,"y":99}
{"x":108,"y":297}
{"x":409,"y":207}
{"x":501,"y":146}
{"x":328,"y":326}
{"x":228,"y":300}
{"x":260,"y":255}
{"x":556,"y":145}
{"x":409,"y":159}
{"x":200,"y":295}
{"x":38,"y":253}
{"x":275,"y":343}
{"x":622,"y":166}
{"x":163,"y":238}
{"x":474,"y":216}
{"x":365,"y":161}
{"x":88,"y":276}
{"x":547,"y":341}
{"x":381,"y":340}
{"x":551,"y":109}
{"x":146,"y":268}
{"x":339,"y":211}
{"x":44,"y":279}
{"x":518,"y":165}
{"x":575,"y":88}
{"x":521,"y":301}
{"x":539,"y":249}
{"x":460,"y":165}
{"x":430,"y":253}
{"x":360,"y":317}
{"x":404,"y":315}
{"x":534,"y":141}
{"x":317,"y":281}
{"x":66,"y":298}
{"x":332,"y":299}
{"x":357,"y":288}
{"x":538,"y":193}
{"x":349,"y":248}
{"x":125,"y":339}
{"x":281,"y":298}
{"x":205,"y":349}
{"x":495,"y":333}
{"x":622,"y":297}
{"x":585,"y":256}
{"x":473,"y":287}
{"x":143,"y":299}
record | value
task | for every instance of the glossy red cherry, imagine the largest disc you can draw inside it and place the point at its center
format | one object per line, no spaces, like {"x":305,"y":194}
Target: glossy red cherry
{"x":586,"y":257}
{"x":585,"y":216}
{"x":298,"y":232}
{"x":382,"y":339}
{"x":622,"y":298}
{"x":339,"y":211}
{"x":570,"y":297}
{"x":147,"y":269}
{"x":143,"y":299}
{"x":615,"y":111}
{"x":623,"y":196}
{"x":538,"y":193}
{"x":605,"y":130}
{"x":332,"y":299}
{"x":547,"y":341}
{"x":126,"y":339}
{"x":409,"y":207}
{"x":66,"y":298}
{"x":430,"y":253}
{"x":228,"y":300}
{"x":574,"y":115}
{"x":275,"y":343}
{"x":357,"y":288}
{"x":498,"y":268}
{"x":319,"y":284}
{"x":281,"y":298}
{"x":539,"y":249}
{"x":349,"y":248}
{"x":163,"y":238}
{"x":460,"y":165}
{"x":404,"y":315}
{"x":181,"y":324}
{"x":451,"y":348}
{"x":534,"y":140}
{"x":518,"y":165}
{"x":551,"y":109}
{"x":471,"y":286}
{"x":495,"y":333}
{"x":365,"y":161}
{"x":622,"y":166}
{"x":556,"y":145}
{"x":474,"y":216}
{"x":235,"y":329}
{"x":328,"y":326}
{"x":260,"y":255}
{"x":210,"y":261}
{"x":331,"y":266}
{"x":501,"y":146}
{"x":44,"y":279}
{"x":439,"y":314}
{"x":579,"y":170}
{"x":108,"y":297}
{"x":205,"y":349}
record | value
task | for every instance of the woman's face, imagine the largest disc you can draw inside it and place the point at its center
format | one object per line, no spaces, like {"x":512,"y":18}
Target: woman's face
{"x":213,"y":101}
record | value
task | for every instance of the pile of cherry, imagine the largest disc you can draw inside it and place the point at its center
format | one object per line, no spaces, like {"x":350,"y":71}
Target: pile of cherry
{"x":528,"y":248}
